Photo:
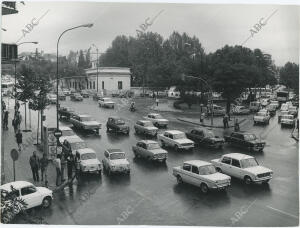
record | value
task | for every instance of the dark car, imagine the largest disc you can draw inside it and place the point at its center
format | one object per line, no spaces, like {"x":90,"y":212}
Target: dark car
{"x":84,"y":94}
{"x":76,"y":97}
{"x":246,"y":140}
{"x":97,"y":96}
{"x":61,"y":96}
{"x":65,"y":112}
{"x":117,"y":125}
{"x":205,"y":137}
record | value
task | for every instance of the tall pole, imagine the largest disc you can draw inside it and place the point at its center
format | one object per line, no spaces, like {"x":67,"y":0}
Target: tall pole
{"x":97,"y":67}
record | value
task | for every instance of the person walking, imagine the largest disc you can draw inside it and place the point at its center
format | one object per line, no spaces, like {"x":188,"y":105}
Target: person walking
{"x":157,"y":101}
{"x":224,"y":121}
{"x":63,"y":163}
{"x":44,"y":165}
{"x":70,"y":164}
{"x":5,"y":120}
{"x":236,"y":125}
{"x":19,"y":138}
{"x":18,"y":119}
{"x":17,"y":106}
{"x":57,"y":165}
{"x":202,"y":116}
{"x":34,"y":162}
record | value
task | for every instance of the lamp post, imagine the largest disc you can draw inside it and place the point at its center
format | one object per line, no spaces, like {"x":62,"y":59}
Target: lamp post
{"x":57,"y":104}
{"x":97,"y":63}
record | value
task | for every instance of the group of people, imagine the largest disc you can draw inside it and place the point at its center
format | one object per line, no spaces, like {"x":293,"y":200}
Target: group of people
{"x":37,"y":164}
{"x":226,"y":119}
{"x":4,"y":115}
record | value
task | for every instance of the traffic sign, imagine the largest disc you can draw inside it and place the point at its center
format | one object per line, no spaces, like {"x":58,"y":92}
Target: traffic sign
{"x":57,"y":133}
{"x":14,"y":154}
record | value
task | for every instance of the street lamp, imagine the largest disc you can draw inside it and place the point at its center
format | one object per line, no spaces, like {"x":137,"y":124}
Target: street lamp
{"x":27,"y":42}
{"x":57,"y":104}
{"x":97,"y":63}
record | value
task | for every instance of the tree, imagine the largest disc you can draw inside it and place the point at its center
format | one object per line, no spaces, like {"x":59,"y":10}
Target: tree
{"x":289,"y":76}
{"x":81,"y":61}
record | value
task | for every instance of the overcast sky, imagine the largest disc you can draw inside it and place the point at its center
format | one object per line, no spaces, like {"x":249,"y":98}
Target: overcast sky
{"x":214,"y":25}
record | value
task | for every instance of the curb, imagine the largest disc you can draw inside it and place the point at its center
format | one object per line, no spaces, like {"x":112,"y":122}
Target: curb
{"x":206,"y":125}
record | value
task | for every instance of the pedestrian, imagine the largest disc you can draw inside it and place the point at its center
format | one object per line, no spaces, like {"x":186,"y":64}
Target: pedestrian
{"x":77,"y":164}
{"x":5,"y":120}
{"x":17,"y":106}
{"x":63,"y":162}
{"x":227,"y":119}
{"x":202,"y":116}
{"x":18,"y":119}
{"x":236,"y":125}
{"x":19,"y":138}
{"x":44,"y":164}
{"x":34,"y":162}
{"x":70,"y":164}
{"x":157,"y":100}
{"x":3,"y":105}
{"x":57,"y":165}
{"x":224,"y":121}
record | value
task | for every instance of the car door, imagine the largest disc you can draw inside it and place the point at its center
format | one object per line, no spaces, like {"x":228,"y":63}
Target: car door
{"x":142,"y":149}
{"x":186,"y":173}
{"x":31,"y":196}
{"x":193,"y":135}
{"x":236,"y":170}
{"x":195,"y":177}
{"x":225,"y":164}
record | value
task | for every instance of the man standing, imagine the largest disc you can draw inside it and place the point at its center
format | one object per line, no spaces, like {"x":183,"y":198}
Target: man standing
{"x":44,"y":165}
{"x":19,"y":138}
{"x":34,"y":162}
{"x":57,"y":165}
{"x":70,"y":162}
{"x":5,"y":120}
{"x":157,"y":101}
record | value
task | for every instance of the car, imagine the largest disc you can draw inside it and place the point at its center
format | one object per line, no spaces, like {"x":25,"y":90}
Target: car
{"x":255,"y":106}
{"x":217,"y":110}
{"x":287,"y":120}
{"x":157,"y":120}
{"x":272,"y":109}
{"x":76,"y":97}
{"x":284,"y":107}
{"x":66,"y":131}
{"x":65,"y":112}
{"x":72,"y":90}
{"x":75,"y":142}
{"x":243,"y":167}
{"x":115,"y":161}
{"x":264,"y":102}
{"x":282,"y":113}
{"x":85,"y":122}
{"x":240,"y":110}
{"x":52,"y":98}
{"x":176,"y":139}
{"x":88,"y":161}
{"x":106,"y":102}
{"x":245,"y":140}
{"x":97,"y":96}
{"x":84,"y":94}
{"x":117,"y":125}
{"x":201,"y":174}
{"x":276,"y":103}
{"x":261,"y":117}
{"x":293,"y":110}
{"x":205,"y":137}
{"x":61,"y":96}
{"x":33,"y":196}
{"x":67,"y":92}
{"x":145,"y":127}
{"x":150,"y":150}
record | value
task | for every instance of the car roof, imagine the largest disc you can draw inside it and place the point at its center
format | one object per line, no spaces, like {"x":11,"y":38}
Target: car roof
{"x":65,"y":128}
{"x":114,"y":151}
{"x":83,"y":115}
{"x":237,"y":156}
{"x":144,"y":121}
{"x":15,"y":184}
{"x":197,"y":163}
{"x":174,"y":132}
{"x":147,"y":141}
{"x":287,"y":115}
{"x":154,"y":114}
{"x":86,"y":151}
{"x":73,"y":139}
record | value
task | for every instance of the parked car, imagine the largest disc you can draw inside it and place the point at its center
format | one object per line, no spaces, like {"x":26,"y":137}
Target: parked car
{"x":293,"y":110}
{"x":33,"y":196}
{"x":205,"y":137}
{"x":157,"y":120}
{"x":243,"y":167}
{"x":65,"y":112}
{"x":240,"y":110}
{"x":284,"y":107}
{"x":106,"y":102}
{"x":175,"y":139}
{"x":117,"y":125}
{"x":261,"y":117}
{"x":246,"y":140}
{"x":52,"y":98}
{"x":264,"y":102}
{"x":217,"y":110}
{"x":85,"y":122}
{"x":287,"y":120}
{"x":97,"y":96}
{"x":61,"y":96}
{"x":150,"y":150}
{"x":115,"y":161}
{"x":255,"y":106}
{"x":88,"y":161}
{"x":76,"y":97}
{"x":281,"y":114}
{"x":276,"y":103}
{"x":85,"y":94}
{"x":145,"y":127}
{"x":201,"y":174}
{"x":272,"y":109}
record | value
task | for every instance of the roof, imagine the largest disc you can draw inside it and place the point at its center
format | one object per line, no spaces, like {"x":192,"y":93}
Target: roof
{"x":238,"y":156}
{"x":83,"y":115}
{"x":148,"y":141}
{"x":65,"y":128}
{"x":174,"y":132}
{"x":86,"y":151}
{"x":197,"y":163}
{"x":73,"y":139}
{"x":144,"y":121}
{"x":114,"y":151}
{"x":16,"y":185}
{"x":109,"y":70}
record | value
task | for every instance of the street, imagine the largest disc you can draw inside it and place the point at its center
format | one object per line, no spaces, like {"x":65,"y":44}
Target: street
{"x":151,"y":196}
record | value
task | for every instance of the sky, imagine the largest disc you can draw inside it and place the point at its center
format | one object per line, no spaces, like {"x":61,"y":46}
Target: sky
{"x":215,"y":25}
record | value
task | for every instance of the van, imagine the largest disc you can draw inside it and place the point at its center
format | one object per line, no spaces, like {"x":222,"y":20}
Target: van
{"x":255,"y":106}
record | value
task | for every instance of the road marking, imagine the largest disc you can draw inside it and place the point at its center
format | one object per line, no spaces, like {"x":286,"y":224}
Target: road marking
{"x":285,"y":213}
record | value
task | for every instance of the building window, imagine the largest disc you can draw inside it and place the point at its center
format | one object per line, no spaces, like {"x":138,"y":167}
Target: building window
{"x":120,"y":85}
{"x":94,"y":85}
{"x":102,"y":84}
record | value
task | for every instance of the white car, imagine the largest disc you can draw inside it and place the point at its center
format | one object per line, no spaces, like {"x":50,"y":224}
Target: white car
{"x":75,"y":142}
{"x":88,"y":161}
{"x":240,"y":110}
{"x":287,"y":120}
{"x":145,"y":127}
{"x":243,"y":167}
{"x":175,"y":139}
{"x":293,"y":110}
{"x":284,"y":107}
{"x":66,"y":131}
{"x":106,"y":102}
{"x":115,"y":161}
{"x":275,"y":103}
{"x":157,"y":120}
{"x":201,"y":174}
{"x":52,"y":98}
{"x":150,"y":150}
{"x":262,"y":117}
{"x":32,"y":195}
{"x":264,"y":102}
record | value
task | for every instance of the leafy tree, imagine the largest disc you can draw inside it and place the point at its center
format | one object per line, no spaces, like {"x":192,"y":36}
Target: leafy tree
{"x":289,"y":76}
{"x":81,"y":61}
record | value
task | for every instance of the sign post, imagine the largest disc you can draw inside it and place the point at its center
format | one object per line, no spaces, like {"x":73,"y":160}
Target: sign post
{"x":14,"y":156}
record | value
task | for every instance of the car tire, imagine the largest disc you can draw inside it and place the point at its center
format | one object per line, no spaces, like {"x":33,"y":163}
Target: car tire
{"x":247,"y":180}
{"x":47,"y":201}
{"x":179,"y":179}
{"x":204,"y":188}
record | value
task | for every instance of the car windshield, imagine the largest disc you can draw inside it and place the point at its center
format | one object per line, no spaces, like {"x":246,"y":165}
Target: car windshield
{"x":67,"y":133}
{"x":179,"y":136}
{"x":78,"y":145}
{"x":120,"y":122}
{"x":153,"y":146}
{"x":250,"y":162}
{"x":116,"y":156}
{"x":207,"y":170}
{"x":148,"y":124}
{"x":88,"y":156}
{"x":249,"y":137}
{"x":86,"y":118}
